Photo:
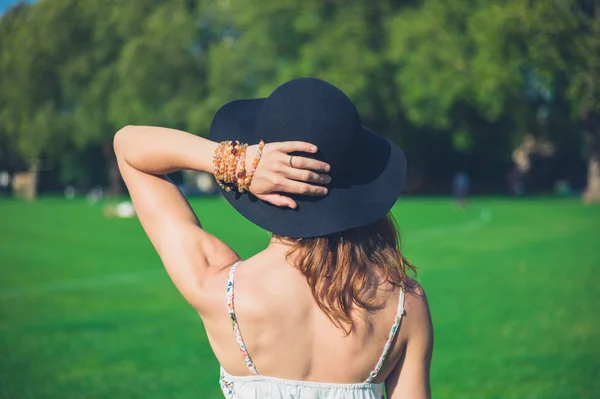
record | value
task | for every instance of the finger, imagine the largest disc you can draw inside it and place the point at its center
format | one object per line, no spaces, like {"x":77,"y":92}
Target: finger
{"x":296,"y":146}
{"x":295,"y":187}
{"x":307,"y":176}
{"x":279,"y":200}
{"x":308,"y":163}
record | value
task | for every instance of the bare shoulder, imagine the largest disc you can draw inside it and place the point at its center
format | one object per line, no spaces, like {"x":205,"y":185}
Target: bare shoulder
{"x":415,"y":293}
{"x":417,"y":315}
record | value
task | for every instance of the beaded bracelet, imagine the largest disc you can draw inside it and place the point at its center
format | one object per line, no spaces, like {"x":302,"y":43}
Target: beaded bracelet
{"x":241,"y":167}
{"x":245,"y":183}
{"x":221,"y":157}
{"x":229,"y":165}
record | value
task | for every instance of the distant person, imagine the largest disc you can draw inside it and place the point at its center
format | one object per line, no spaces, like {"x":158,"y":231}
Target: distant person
{"x":5,"y":181}
{"x":326,"y":310}
{"x":460,"y":187}
{"x":516,"y":182}
{"x":95,"y":195}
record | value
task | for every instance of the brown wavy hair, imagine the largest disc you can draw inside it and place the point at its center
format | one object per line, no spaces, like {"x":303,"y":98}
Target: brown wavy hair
{"x":344,"y":269}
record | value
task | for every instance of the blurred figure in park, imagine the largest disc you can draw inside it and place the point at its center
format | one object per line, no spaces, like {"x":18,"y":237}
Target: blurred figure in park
{"x":69,"y":192}
{"x":562,"y":188}
{"x":4,"y":181}
{"x":523,"y":157}
{"x":460,"y":188}
{"x":327,"y":309}
{"x":95,"y":195}
{"x":516,"y":183}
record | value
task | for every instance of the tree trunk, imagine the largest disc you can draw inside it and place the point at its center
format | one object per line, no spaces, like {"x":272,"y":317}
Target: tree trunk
{"x":591,"y":117}
{"x":24,"y":184}
{"x":592,"y":191}
{"x":115,"y":184}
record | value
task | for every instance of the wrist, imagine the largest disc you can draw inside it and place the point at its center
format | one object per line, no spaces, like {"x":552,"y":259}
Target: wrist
{"x":199,"y":157}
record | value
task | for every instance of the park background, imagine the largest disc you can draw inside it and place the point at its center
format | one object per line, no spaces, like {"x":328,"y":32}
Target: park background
{"x":505,"y":91}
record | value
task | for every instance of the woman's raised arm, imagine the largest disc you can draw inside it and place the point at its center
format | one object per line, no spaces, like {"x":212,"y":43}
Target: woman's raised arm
{"x":146,"y":154}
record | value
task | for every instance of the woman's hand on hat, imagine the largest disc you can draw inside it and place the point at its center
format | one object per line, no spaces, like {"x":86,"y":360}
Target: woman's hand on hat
{"x":278,"y":173}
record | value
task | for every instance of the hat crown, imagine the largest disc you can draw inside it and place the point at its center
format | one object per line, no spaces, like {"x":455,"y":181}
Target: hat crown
{"x":311,"y":110}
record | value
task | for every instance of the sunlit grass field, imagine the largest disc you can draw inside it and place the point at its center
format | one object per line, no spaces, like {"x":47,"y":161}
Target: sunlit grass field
{"x":86,"y":310}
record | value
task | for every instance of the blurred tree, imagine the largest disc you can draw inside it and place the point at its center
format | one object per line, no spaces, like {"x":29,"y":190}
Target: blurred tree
{"x":580,"y":62}
{"x":453,"y":83}
{"x":507,"y":59}
{"x":89,"y":75}
{"x":259,"y":45}
{"x":133,"y":63}
{"x":31,"y":117}
{"x":552,"y":50}
{"x":158,"y":73}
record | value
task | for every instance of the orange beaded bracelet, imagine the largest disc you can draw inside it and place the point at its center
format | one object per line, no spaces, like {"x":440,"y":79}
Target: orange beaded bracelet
{"x":246,"y":182}
{"x":229,"y":165}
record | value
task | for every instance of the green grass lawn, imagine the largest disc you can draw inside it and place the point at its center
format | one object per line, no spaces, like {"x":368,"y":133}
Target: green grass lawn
{"x":86,"y":310}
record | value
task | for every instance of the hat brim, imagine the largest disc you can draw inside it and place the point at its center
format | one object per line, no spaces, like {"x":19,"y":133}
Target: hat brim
{"x":352,"y":201}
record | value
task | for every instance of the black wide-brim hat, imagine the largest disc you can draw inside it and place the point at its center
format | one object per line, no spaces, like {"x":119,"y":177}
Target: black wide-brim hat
{"x":367,"y":170}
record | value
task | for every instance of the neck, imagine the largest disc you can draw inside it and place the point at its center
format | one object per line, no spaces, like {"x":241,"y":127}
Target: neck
{"x":283,"y":241}
{"x":280,"y":245}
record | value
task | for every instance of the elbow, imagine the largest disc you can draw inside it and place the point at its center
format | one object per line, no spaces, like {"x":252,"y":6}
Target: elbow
{"x":120,"y":139}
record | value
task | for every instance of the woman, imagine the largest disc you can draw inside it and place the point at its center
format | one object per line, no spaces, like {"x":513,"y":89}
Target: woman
{"x":326,"y":310}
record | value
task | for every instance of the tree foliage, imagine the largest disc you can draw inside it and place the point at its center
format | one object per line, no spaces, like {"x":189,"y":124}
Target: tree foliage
{"x":457,"y":84}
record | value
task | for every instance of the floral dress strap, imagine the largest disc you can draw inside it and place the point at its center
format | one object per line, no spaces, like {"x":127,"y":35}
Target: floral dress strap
{"x":390,"y":339}
{"x":234,"y":323}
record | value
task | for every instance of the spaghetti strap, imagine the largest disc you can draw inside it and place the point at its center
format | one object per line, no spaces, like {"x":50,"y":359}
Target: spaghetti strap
{"x":390,"y":339}
{"x":234,"y":323}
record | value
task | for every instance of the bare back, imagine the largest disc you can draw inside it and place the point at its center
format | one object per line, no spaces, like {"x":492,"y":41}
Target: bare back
{"x":286,"y":333}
